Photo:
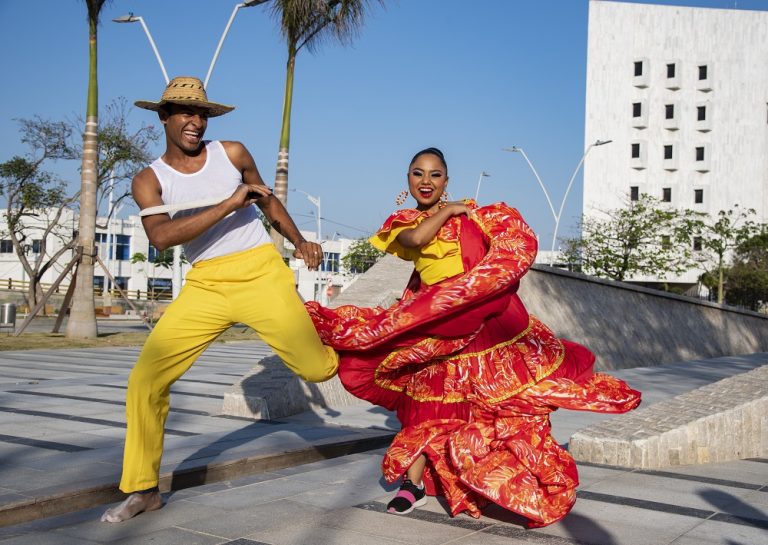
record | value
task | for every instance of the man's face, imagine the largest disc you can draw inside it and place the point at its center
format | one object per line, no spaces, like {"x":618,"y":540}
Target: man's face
{"x":185,"y":125}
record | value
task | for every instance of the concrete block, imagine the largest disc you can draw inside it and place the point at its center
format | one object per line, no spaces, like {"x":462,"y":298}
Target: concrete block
{"x":243,"y":405}
{"x":710,"y":424}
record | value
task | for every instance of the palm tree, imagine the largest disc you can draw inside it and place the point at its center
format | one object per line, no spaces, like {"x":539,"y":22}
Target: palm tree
{"x":307,"y":23}
{"x":82,"y":318}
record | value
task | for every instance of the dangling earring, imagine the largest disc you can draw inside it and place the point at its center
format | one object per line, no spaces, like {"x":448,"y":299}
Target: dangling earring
{"x":400,"y":199}
{"x":443,"y":200}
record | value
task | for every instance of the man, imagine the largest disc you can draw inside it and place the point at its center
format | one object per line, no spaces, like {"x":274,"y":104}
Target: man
{"x":237,"y":276}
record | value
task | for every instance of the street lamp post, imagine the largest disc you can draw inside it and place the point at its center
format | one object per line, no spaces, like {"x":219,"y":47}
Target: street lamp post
{"x":247,"y":4}
{"x":316,"y":201}
{"x":483,"y":174}
{"x":131,"y":18}
{"x":317,"y":291}
{"x":557,"y":215}
{"x":106,"y":294}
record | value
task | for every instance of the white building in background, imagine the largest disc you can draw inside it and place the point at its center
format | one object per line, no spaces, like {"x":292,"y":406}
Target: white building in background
{"x":126,"y":238}
{"x":117,"y":245}
{"x":331,"y":279}
{"x":683,"y":94}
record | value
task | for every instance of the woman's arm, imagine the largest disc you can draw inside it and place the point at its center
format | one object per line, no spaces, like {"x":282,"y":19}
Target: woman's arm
{"x":427,"y":229}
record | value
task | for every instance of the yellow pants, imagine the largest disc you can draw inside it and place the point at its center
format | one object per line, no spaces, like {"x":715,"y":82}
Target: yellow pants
{"x":253,"y":287}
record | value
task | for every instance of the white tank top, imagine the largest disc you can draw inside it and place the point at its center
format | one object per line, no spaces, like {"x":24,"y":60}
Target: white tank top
{"x":241,"y":230}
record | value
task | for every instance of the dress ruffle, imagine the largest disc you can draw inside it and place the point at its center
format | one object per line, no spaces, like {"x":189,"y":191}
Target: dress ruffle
{"x":473,"y":378}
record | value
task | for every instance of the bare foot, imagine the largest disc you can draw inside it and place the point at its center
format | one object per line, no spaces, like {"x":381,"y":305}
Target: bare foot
{"x":133,"y":505}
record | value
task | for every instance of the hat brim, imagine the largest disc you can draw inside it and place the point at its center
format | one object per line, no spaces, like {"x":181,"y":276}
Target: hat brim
{"x":214,"y":108}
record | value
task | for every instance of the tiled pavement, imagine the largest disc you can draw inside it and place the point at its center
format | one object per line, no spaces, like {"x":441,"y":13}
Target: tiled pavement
{"x":63,"y":424}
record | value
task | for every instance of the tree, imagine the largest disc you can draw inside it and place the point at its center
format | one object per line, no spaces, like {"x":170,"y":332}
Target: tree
{"x":747,"y":279}
{"x":36,"y":201}
{"x":644,"y":238}
{"x":121,"y":154}
{"x":38,"y":205}
{"x":718,"y":237}
{"x":82,"y":317}
{"x":307,"y":23}
{"x":361,"y":256}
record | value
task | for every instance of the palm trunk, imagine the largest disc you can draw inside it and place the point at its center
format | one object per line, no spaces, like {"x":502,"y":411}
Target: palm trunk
{"x":281,"y":174}
{"x":82,"y":318}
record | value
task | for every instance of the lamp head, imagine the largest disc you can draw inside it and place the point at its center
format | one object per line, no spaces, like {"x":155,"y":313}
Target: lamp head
{"x":601,"y":142}
{"x":126,"y":18}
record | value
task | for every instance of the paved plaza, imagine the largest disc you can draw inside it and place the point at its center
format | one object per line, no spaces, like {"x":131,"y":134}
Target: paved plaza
{"x":315,"y":478}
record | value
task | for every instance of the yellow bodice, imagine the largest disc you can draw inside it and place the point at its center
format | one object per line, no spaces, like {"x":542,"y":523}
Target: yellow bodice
{"x":437,"y":260}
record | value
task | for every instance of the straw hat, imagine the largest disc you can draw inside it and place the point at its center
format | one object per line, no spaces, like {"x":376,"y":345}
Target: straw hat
{"x":188,"y":91}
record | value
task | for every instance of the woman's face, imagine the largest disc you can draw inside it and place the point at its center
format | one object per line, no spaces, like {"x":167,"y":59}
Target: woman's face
{"x":427,"y":180}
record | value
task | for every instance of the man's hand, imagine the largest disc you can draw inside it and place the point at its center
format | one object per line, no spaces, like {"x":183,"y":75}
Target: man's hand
{"x":248,"y":194}
{"x":310,"y":252}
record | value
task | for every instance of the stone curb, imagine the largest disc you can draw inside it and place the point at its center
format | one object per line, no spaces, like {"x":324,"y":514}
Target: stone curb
{"x":89,"y":494}
{"x":719,"y":422}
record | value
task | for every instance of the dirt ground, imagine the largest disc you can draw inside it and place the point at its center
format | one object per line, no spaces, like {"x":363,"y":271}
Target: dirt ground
{"x":111,"y":333}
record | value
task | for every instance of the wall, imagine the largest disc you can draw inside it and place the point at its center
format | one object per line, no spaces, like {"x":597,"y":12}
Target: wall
{"x":629,"y":326}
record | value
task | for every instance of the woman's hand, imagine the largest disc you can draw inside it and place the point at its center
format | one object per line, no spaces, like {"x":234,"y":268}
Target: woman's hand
{"x":310,"y":252}
{"x":456,"y":208}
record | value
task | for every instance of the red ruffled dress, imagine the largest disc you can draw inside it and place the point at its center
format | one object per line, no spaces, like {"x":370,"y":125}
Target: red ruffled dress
{"x":470,"y":374}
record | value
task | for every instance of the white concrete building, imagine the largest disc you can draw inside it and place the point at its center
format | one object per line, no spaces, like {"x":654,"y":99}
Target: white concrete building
{"x":331,"y":279}
{"x":683,"y":94}
{"x":117,"y":245}
{"x":127,"y":238}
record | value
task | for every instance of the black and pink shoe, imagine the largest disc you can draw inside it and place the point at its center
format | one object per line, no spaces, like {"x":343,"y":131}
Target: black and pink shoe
{"x":408,"y":498}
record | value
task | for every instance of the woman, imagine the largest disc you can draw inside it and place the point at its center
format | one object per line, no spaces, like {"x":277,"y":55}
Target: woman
{"x":470,"y":374}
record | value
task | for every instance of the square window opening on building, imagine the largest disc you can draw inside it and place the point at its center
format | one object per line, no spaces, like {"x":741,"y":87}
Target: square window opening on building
{"x":638,"y":68}
{"x":635,"y":152}
{"x":634,"y":193}
{"x":701,"y":113}
{"x":698,"y":196}
{"x":669,"y":111}
{"x":702,"y":71}
{"x":671,"y":70}
{"x":699,"y":153}
{"x":637,"y":109}
{"x":666,"y":194}
{"x":668,"y":151}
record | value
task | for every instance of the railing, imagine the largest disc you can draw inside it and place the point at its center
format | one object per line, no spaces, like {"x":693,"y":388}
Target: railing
{"x":138,"y":295}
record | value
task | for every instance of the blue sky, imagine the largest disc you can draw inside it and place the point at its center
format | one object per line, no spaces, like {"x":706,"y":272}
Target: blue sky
{"x":468,"y":77}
